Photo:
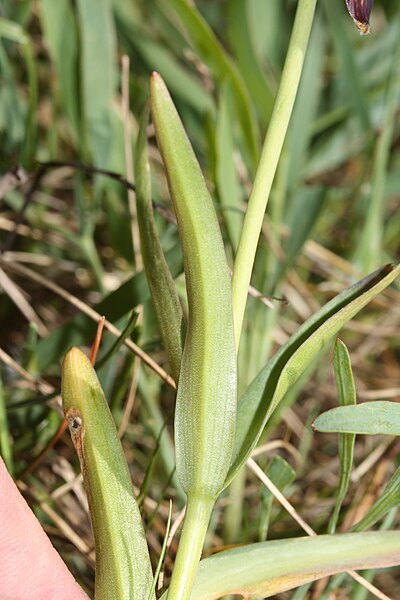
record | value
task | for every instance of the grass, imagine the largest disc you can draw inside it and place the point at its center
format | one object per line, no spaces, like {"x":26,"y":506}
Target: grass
{"x":340,"y":165}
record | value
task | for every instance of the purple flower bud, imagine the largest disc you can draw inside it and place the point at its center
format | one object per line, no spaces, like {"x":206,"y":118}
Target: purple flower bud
{"x":360,"y":10}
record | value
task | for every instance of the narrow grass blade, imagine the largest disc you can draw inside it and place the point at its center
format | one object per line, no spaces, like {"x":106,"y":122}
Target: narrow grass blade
{"x":163,"y":293}
{"x":123,"y":568}
{"x":162,"y":554}
{"x":157,"y":56}
{"x":227,"y":178}
{"x":116,"y":304}
{"x":14,"y":32}
{"x":61,"y":35}
{"x":269,"y":159}
{"x":211,"y":51}
{"x":268,"y":568}
{"x":250,"y":66}
{"x":126,"y":333}
{"x":99,"y":74}
{"x":149,"y":474}
{"x":282,"y":371}
{"x":302,"y":214}
{"x":305,"y":110}
{"x":389,"y":499}
{"x":370,"y":246}
{"x":281,"y":474}
{"x":347,"y":397}
{"x":370,"y":418}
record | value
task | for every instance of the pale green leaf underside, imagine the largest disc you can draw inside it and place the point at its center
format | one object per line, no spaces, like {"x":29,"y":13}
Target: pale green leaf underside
{"x":254,"y":570}
{"x":381,"y":417}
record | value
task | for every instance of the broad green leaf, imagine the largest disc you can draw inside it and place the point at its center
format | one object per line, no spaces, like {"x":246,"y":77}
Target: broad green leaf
{"x":123,"y":568}
{"x":206,"y":398}
{"x":62,"y":38}
{"x":282,"y":371}
{"x":99,"y":74}
{"x":347,"y":397}
{"x":268,"y":568}
{"x":370,"y":418}
{"x":389,"y":499}
{"x":162,"y":288}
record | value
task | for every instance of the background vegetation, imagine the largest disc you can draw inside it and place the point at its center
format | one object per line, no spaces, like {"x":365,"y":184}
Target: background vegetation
{"x":67,"y":234}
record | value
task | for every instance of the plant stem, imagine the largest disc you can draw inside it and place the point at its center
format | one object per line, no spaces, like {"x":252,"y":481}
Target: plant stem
{"x":273,"y":143}
{"x":194,"y":531}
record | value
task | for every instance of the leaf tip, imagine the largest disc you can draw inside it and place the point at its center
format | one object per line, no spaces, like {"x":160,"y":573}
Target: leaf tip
{"x":155,"y":79}
{"x":74,"y":356}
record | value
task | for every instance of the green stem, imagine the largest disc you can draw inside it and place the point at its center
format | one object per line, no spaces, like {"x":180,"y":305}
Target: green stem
{"x":269,"y":158}
{"x":194,"y":531}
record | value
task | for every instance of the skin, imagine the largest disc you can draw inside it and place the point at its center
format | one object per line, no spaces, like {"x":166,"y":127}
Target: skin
{"x":30,"y":567}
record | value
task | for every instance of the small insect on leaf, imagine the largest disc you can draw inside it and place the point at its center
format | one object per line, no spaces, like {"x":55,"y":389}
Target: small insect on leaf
{"x":76,"y":428}
{"x":360,"y":11}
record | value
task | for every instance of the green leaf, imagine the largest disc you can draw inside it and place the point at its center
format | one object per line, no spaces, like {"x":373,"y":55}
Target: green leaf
{"x":280,"y":472}
{"x":206,"y":44}
{"x":282,"y":371}
{"x":389,"y":499}
{"x":370,"y":418}
{"x":347,"y":397}
{"x":13,"y":31}
{"x":268,"y":568}
{"x":99,"y":74}
{"x":163,"y":293}
{"x":305,"y":109}
{"x":251,"y":68}
{"x":182,"y":84}
{"x":226,"y":176}
{"x":302,"y":214}
{"x":62,"y":38}
{"x":345,"y":51}
{"x":123,"y":568}
{"x":370,"y":243}
{"x":206,"y":398}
